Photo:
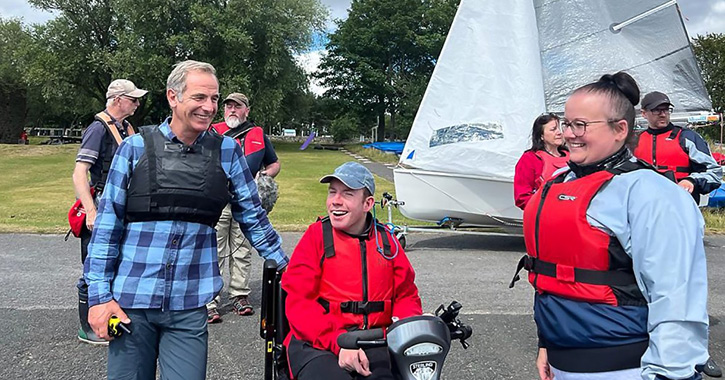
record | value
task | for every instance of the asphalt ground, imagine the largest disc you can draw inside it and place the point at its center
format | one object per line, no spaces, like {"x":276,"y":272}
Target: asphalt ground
{"x":38,"y":315}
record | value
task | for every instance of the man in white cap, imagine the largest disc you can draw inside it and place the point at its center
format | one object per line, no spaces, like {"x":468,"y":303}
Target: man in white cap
{"x":99,"y":143}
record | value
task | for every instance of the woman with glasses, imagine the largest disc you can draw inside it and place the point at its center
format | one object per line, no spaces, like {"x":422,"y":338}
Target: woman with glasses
{"x":615,"y":253}
{"x":536,"y":165}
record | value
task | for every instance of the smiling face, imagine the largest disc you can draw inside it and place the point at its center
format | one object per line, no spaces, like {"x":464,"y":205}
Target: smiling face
{"x":601,"y":139}
{"x":347,"y":207}
{"x":193,"y":114}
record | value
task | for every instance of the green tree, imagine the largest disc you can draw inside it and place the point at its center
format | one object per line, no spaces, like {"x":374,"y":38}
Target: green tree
{"x":710,"y":54}
{"x":381,"y":57}
{"x":251,"y":44}
{"x":13,"y":90}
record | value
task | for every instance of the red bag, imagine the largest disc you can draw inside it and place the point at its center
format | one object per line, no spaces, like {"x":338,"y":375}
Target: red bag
{"x":77,"y":216}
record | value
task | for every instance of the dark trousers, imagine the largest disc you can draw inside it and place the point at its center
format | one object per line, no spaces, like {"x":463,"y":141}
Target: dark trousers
{"x":309,"y":363}
{"x":177,"y":339}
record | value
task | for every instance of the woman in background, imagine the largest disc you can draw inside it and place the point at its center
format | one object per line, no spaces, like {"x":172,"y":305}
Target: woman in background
{"x":536,"y":165}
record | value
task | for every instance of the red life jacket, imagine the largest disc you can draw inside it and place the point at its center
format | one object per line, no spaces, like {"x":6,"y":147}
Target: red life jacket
{"x":551,"y":165}
{"x":356,"y":285}
{"x":665,"y":152}
{"x":253,"y":137}
{"x":567,"y":256}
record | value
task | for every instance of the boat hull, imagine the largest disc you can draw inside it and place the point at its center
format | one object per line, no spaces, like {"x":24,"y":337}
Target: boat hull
{"x":475,"y":200}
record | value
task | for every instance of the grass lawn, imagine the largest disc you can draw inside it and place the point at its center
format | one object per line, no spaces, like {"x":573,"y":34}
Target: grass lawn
{"x":36,"y":190}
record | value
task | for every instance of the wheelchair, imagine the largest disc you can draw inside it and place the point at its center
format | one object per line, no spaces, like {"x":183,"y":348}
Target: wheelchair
{"x":273,"y":325}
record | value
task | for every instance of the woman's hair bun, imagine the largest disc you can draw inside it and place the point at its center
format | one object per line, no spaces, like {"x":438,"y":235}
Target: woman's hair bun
{"x":625,"y":84}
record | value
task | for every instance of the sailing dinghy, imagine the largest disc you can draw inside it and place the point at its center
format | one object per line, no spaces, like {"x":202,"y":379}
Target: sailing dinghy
{"x":506,"y":62}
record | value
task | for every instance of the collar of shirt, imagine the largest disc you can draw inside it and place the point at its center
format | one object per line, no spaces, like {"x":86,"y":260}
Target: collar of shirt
{"x":166,"y":131}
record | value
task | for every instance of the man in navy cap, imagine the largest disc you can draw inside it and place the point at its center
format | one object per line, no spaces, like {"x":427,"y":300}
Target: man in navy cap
{"x":347,"y":272}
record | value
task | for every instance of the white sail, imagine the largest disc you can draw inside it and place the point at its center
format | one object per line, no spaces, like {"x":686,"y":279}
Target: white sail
{"x":507,"y":61}
{"x":485,"y":92}
{"x":582,"y":39}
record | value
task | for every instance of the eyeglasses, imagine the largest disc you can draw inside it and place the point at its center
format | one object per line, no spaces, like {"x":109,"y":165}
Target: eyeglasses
{"x":660,"y":111}
{"x":579,"y":127}
{"x":133,"y":100}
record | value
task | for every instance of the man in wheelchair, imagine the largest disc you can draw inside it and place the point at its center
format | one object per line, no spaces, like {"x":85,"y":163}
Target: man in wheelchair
{"x":348,"y":272}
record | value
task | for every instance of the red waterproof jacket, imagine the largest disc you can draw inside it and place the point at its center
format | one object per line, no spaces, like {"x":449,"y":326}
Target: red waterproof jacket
{"x":664,"y":151}
{"x":253,"y":139}
{"x":533,"y":169}
{"x":321,"y":289}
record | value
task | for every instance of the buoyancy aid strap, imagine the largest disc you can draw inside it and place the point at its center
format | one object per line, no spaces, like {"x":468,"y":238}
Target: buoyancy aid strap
{"x":327,"y":239}
{"x":353,"y":307}
{"x":107,"y":122}
{"x":679,"y":169}
{"x":519,"y":267}
{"x":572,"y":274}
{"x":675,"y":131}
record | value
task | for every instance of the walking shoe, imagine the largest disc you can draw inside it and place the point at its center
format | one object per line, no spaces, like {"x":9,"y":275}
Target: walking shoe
{"x":711,"y":368}
{"x":242,"y":306}
{"x":91,"y":338}
{"x":212,"y":316}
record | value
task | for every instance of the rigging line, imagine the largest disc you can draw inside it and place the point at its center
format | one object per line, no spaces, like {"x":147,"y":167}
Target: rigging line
{"x":656,"y":59}
{"x":643,"y":15}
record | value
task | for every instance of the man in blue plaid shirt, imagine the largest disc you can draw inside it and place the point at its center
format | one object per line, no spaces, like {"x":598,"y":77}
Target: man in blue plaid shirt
{"x":152,"y":259}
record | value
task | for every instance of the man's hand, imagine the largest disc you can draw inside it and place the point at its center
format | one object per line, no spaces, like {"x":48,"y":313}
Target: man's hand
{"x":354,"y":360}
{"x":90,"y":218}
{"x":99,"y":315}
{"x":687,"y":185}
{"x":542,"y":365}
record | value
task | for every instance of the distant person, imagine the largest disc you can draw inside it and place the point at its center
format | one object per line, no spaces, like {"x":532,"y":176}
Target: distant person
{"x":152,"y":260}
{"x":23,"y":138}
{"x":615,"y":253}
{"x":98,"y":145}
{"x":546,"y":155}
{"x":675,"y":149}
{"x":234,"y":249}
{"x":347,"y":272}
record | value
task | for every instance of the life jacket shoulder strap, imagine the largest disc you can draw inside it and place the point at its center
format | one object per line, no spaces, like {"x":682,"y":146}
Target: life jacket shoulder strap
{"x":328,"y":239}
{"x":107,"y":122}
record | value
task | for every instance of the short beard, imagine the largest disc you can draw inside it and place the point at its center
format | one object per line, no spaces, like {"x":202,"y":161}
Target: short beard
{"x":232,"y":122}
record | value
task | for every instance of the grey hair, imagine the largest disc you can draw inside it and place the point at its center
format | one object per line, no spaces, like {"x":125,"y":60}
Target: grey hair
{"x":177,"y":79}
{"x":109,"y":101}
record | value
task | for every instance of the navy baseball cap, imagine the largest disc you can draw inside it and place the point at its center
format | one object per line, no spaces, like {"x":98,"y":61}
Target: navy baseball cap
{"x":353,"y":175}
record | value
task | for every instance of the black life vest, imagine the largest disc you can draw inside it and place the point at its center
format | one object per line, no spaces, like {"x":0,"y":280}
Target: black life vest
{"x":173,"y":181}
{"x":111,"y":140}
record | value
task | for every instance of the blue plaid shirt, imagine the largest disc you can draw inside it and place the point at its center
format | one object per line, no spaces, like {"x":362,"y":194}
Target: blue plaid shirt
{"x":171,"y":265}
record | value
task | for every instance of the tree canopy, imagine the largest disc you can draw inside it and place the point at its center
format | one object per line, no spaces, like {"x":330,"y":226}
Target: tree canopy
{"x":380,"y":58}
{"x":64,"y":66}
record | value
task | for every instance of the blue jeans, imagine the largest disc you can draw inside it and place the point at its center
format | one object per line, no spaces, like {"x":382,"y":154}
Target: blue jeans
{"x":178,"y":339}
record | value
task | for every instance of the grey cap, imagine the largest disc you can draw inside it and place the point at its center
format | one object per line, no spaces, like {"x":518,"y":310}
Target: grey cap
{"x":655,"y":99}
{"x":353,"y":175}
